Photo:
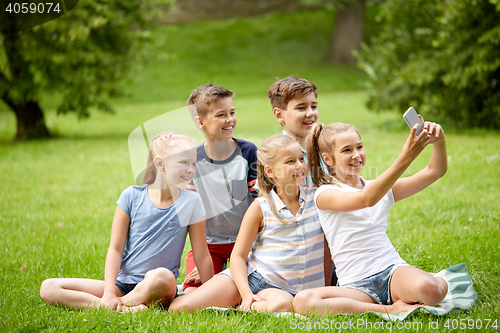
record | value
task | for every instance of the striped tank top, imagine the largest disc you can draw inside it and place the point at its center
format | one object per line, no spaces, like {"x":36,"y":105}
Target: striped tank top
{"x":290,"y":255}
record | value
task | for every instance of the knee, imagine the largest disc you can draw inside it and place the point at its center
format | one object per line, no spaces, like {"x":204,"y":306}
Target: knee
{"x":47,"y":290}
{"x":279,"y":305}
{"x":441,"y":288}
{"x":303,"y":302}
{"x":160,"y":279}
{"x":433,"y":290}
{"x":179,"y":304}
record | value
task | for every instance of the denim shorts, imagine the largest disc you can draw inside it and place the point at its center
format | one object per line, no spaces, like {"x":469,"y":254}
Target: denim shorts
{"x":257,"y":283}
{"x":125,"y":288}
{"x":376,"y":286}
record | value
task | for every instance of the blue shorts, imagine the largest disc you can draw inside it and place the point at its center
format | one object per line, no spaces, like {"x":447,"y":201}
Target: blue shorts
{"x":257,"y":283}
{"x":125,"y":288}
{"x":377,"y":286}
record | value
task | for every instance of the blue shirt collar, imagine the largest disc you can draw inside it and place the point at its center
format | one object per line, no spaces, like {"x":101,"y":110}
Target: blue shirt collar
{"x":303,"y":150}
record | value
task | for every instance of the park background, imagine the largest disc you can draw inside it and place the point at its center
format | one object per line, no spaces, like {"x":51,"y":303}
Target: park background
{"x":58,"y":195}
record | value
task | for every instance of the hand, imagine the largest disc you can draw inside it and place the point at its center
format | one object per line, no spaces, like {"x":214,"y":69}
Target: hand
{"x":246,"y":303}
{"x":110,"y":302}
{"x":193,"y":277}
{"x":415,"y":144}
{"x":435,"y":131}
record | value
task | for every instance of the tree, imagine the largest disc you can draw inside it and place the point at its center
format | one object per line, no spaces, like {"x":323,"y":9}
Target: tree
{"x":348,"y":32}
{"x":440,"y":57}
{"x":348,"y":29}
{"x":81,"y":55}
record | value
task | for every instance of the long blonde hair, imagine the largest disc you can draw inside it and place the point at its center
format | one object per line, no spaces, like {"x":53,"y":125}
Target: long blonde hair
{"x":321,"y":139}
{"x":160,"y":147}
{"x":267,"y":156}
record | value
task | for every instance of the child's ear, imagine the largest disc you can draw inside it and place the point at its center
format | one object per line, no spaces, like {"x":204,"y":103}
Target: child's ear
{"x":159,"y":163}
{"x":199,"y":122}
{"x":328,"y":159}
{"x":269,"y":172}
{"x":278,"y":114}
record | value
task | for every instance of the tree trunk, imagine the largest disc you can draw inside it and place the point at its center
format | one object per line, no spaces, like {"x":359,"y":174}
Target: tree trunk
{"x":347,"y":32}
{"x":30,"y":120}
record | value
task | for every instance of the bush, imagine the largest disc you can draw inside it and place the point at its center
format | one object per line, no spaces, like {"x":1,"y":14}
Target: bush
{"x":442,"y":57}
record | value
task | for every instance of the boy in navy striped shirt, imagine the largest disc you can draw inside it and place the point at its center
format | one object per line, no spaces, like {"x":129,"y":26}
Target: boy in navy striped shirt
{"x":225,"y":175}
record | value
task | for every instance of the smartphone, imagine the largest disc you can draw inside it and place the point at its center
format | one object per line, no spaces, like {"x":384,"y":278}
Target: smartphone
{"x":412,"y":118}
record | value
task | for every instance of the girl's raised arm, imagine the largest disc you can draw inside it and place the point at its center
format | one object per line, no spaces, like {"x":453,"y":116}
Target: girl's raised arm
{"x":201,"y":256}
{"x":119,"y":232}
{"x":437,"y":167}
{"x":350,"y":201}
{"x":248,"y":230}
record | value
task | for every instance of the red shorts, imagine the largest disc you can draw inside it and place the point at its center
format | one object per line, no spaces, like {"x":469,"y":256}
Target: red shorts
{"x":220,"y":254}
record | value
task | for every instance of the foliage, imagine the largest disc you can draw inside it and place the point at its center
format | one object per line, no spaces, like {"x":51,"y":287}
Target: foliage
{"x":244,"y":55}
{"x":440,"y":57}
{"x":81,"y":55}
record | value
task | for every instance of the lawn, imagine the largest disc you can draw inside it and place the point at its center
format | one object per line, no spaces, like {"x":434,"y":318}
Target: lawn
{"x":58,"y":196}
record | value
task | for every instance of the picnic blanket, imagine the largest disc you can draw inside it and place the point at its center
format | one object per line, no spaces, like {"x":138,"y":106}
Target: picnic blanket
{"x":460,"y":297}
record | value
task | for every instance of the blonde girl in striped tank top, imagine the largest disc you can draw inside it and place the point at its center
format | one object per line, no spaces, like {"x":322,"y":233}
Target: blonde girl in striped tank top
{"x":288,"y":252}
{"x":280,"y":248}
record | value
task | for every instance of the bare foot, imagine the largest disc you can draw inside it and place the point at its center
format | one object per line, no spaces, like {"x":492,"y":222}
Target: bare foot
{"x":252,"y":307}
{"x":135,"y":308}
{"x":401,"y":306}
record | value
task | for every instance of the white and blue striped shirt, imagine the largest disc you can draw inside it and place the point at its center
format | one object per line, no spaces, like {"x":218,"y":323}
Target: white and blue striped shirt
{"x":290,"y":255}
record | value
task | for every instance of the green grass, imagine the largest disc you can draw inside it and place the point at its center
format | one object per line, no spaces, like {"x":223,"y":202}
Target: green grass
{"x":58,"y":196}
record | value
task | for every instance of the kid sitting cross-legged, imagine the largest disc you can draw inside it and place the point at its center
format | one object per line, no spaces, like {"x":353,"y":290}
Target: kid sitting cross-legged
{"x":280,"y":236}
{"x":147,"y":237}
{"x":353,"y":213}
{"x":225,"y":175}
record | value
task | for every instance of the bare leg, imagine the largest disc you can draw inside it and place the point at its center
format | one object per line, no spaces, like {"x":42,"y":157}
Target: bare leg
{"x":73,"y":293}
{"x":273,"y":300}
{"x":159,"y":285}
{"x":219,"y":291}
{"x":333,"y":300}
{"x":189,"y":289}
{"x":413,"y":285}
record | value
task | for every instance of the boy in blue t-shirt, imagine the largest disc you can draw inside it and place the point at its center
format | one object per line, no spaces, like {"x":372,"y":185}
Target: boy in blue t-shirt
{"x":225,"y":175}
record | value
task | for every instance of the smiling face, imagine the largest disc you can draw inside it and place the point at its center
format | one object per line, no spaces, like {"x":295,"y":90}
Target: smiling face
{"x":180,"y":165}
{"x":290,"y":167}
{"x":300,"y":115}
{"x":348,"y":157}
{"x":219,"y":122}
